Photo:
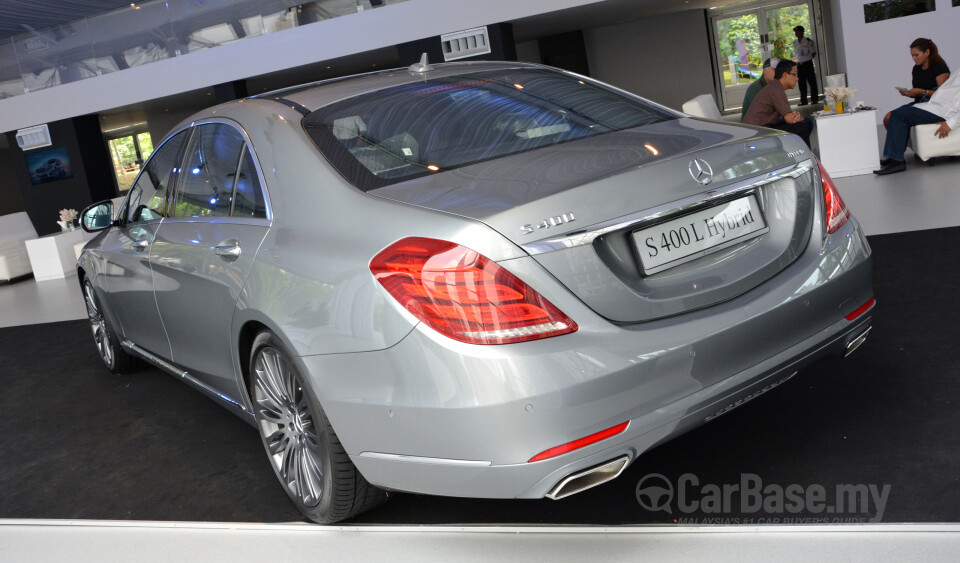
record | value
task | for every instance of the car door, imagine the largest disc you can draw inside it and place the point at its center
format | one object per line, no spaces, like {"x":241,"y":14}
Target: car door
{"x":206,"y":248}
{"x":128,"y":276}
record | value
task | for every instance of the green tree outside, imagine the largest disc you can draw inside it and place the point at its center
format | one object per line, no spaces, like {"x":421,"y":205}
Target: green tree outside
{"x":780,"y":24}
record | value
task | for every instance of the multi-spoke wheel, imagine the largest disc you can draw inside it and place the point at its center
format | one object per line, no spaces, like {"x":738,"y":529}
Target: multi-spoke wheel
{"x":305,"y":453}
{"x":108,"y":346}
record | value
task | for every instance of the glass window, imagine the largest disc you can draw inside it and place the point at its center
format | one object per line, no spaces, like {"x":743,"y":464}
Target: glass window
{"x":889,"y":9}
{"x":209,"y":171}
{"x":148,"y":197}
{"x":249,"y":200}
{"x":411,"y":130}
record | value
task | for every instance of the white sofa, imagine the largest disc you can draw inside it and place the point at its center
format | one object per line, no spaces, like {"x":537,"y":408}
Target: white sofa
{"x":14,"y":229}
{"x":927,"y":145}
{"x":703,"y":106}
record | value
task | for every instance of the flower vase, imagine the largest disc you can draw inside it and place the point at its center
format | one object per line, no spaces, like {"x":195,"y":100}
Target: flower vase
{"x":64,"y":225}
{"x":839,"y":106}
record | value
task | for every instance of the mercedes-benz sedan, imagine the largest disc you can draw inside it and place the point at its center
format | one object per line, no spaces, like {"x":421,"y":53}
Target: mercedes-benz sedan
{"x":491,"y":280}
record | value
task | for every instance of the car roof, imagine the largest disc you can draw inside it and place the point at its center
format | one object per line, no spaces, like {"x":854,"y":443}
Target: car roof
{"x":312,"y":96}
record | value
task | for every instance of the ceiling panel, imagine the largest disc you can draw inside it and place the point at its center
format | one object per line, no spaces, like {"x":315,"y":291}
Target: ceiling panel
{"x":19,"y":16}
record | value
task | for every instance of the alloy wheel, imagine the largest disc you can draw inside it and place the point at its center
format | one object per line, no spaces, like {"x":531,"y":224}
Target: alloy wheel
{"x":286,"y":423}
{"x":98,"y":325}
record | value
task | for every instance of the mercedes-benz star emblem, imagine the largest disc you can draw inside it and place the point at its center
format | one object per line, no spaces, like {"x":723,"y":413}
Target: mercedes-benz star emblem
{"x":701,"y":171}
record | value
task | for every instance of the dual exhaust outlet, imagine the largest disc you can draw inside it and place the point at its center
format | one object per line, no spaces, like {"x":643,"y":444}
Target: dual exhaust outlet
{"x":856,"y":341}
{"x":588,"y":478}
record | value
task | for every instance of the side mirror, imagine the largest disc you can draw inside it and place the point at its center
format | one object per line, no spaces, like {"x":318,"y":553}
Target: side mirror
{"x":97,"y":217}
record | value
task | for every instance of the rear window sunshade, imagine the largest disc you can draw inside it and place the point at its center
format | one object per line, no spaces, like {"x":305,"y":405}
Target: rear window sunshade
{"x":411,"y":130}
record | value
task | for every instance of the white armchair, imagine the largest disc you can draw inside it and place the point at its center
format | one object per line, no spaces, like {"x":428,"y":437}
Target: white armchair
{"x":703,"y":106}
{"x":927,"y":145}
{"x":14,"y":229}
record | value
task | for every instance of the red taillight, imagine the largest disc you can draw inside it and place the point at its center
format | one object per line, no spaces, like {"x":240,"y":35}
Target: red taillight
{"x":577,"y":444}
{"x":836,"y":211}
{"x":464,"y":295}
{"x":861,"y":309}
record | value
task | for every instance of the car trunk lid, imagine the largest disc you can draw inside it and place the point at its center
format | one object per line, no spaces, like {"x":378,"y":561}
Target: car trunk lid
{"x":575,"y":206}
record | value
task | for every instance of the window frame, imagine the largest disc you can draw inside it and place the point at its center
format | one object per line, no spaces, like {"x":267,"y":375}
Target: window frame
{"x":174,"y":177}
{"x":172,"y":206}
{"x":173,"y":197}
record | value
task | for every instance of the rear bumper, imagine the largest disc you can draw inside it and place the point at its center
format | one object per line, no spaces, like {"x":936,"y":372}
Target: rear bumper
{"x":534,"y":480}
{"x":434,"y":416}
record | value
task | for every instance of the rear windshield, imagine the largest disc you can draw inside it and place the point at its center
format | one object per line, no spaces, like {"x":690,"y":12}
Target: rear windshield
{"x":412,"y":130}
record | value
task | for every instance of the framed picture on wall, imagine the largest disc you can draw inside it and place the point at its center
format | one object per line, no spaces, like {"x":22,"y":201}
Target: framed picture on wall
{"x":47,"y":166}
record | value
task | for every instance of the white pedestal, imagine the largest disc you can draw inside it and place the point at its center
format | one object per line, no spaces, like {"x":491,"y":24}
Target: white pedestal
{"x":848,"y":143}
{"x":53,"y":257}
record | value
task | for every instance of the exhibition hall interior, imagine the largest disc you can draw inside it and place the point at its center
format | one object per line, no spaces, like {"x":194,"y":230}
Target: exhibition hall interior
{"x":479,"y":279}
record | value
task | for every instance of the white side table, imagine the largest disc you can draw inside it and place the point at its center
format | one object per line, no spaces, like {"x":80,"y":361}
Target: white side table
{"x":53,"y":257}
{"x":848,"y":143}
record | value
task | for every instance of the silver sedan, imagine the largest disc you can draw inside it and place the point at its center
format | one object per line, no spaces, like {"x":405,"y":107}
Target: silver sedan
{"x":493,"y":280}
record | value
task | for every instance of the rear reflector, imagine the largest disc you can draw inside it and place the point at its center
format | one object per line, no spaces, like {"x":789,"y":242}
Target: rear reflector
{"x":577,"y":444}
{"x":464,"y":295}
{"x":861,"y":309}
{"x":835,"y":210}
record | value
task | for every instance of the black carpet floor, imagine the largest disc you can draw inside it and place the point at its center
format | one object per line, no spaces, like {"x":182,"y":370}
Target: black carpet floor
{"x":78,"y":442}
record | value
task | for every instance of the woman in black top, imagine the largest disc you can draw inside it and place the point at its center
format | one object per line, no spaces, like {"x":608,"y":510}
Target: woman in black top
{"x":929,"y":72}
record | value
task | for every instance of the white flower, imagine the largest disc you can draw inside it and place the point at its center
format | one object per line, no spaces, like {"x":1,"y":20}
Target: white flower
{"x":839,"y":94}
{"x":68,"y":214}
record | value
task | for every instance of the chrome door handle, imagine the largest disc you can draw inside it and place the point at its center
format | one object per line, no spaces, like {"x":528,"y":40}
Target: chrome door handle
{"x":230,"y":250}
{"x":140,"y":245}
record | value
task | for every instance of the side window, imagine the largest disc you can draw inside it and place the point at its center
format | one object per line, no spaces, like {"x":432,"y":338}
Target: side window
{"x":249,"y":200}
{"x":209,"y":171}
{"x":148,"y":197}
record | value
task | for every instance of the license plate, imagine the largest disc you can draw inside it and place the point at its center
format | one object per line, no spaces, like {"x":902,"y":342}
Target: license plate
{"x":681,"y":240}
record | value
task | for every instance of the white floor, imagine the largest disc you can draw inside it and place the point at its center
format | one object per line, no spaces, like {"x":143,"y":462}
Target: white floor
{"x":171,"y":541}
{"x":921,"y":198}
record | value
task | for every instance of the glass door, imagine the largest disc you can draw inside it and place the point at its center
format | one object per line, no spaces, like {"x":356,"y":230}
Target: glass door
{"x":128,"y":154}
{"x":740,"y":55}
{"x":745,"y":36}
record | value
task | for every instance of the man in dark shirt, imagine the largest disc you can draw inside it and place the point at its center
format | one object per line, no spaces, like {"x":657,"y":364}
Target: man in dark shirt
{"x":770,"y":107}
{"x":769,"y":69}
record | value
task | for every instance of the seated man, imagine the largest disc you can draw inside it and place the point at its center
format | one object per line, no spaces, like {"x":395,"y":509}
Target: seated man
{"x":943,"y":108}
{"x":771,"y":109}
{"x":769,"y":69}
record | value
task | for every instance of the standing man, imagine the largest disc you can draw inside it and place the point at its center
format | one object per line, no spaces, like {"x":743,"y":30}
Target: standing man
{"x":804,"y":49}
{"x":770,"y":107}
{"x":769,"y":69}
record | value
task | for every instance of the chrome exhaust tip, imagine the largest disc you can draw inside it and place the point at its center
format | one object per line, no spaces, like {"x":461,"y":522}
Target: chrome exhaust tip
{"x":856,"y":342}
{"x":588,"y":478}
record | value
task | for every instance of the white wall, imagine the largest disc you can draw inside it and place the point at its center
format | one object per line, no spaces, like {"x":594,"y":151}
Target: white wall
{"x":665,"y":58}
{"x":876,"y":56}
{"x":329,"y":39}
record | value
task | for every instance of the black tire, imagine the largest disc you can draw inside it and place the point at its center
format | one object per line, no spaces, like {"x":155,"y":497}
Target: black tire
{"x":300,"y":443}
{"x":105,"y":338}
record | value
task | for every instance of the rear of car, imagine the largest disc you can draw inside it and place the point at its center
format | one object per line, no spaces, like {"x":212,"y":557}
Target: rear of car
{"x":658,"y":271}
{"x":477,"y":279}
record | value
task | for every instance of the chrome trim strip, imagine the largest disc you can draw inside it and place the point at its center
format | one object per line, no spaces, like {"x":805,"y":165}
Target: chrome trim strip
{"x":587,"y":235}
{"x":177,"y":372}
{"x":430,"y":460}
